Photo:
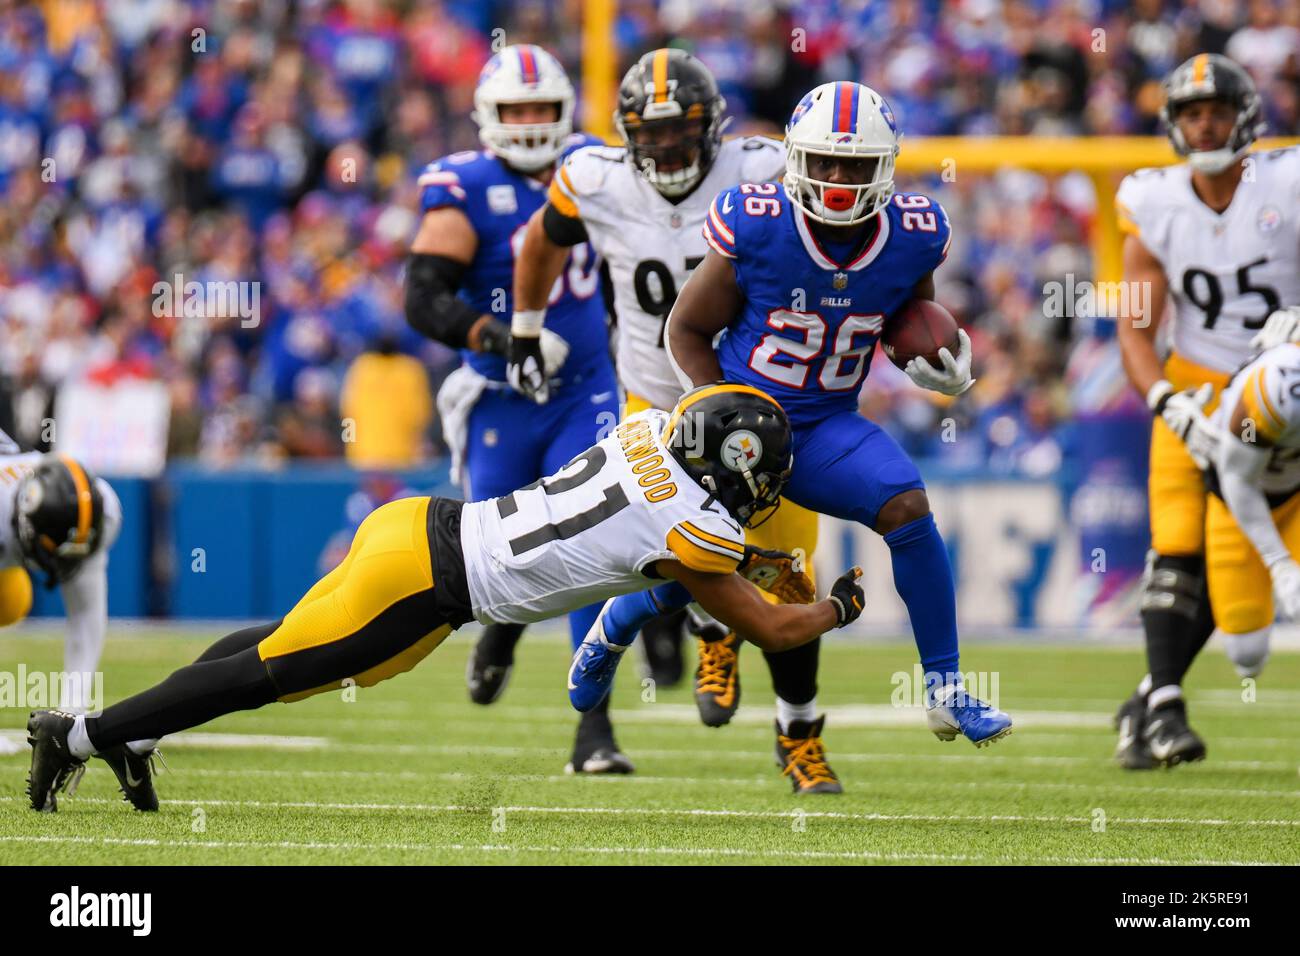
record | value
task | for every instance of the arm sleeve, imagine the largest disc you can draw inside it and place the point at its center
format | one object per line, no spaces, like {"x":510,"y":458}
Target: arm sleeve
{"x":561,"y":229}
{"x":432,"y":307}
{"x":707,"y":544}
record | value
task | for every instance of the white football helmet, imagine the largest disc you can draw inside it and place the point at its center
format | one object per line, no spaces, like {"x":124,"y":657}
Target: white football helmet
{"x":841,"y":119}
{"x":523,"y":73}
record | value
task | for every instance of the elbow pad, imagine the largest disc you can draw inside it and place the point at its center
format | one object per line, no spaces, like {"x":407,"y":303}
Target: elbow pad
{"x":432,"y":307}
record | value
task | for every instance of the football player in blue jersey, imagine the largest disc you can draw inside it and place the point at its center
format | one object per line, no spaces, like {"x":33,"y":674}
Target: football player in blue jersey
{"x":800,"y":279}
{"x":526,"y":400}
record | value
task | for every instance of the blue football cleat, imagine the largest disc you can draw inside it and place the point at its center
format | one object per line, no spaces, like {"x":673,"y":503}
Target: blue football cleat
{"x":959,"y":713}
{"x":594,"y":663}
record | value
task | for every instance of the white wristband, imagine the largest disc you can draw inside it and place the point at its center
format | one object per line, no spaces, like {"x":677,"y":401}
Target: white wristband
{"x":1157,"y":391}
{"x":528,"y":323}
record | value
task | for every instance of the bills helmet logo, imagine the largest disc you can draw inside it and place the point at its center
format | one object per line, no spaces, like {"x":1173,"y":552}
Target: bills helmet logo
{"x":888,"y":114}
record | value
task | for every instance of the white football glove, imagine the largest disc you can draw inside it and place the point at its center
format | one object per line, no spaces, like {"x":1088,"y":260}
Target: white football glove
{"x":1286,"y":585}
{"x":534,"y":354}
{"x":954,"y":378}
{"x":1184,"y":413}
{"x":554,"y":351}
{"x":1281,"y":327}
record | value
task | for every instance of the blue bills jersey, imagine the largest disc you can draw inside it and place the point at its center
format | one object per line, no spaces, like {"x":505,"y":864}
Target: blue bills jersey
{"x":499,"y":202}
{"x":810,"y":322}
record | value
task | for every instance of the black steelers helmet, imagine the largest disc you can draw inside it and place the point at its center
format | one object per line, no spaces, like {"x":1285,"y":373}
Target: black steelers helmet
{"x":670,"y":116}
{"x":58,"y":517}
{"x":734,"y":440}
{"x":1209,"y":76}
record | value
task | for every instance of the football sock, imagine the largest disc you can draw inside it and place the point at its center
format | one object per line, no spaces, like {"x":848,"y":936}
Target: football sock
{"x":79,"y":741}
{"x":580,"y":622}
{"x":923,"y":579}
{"x":1195,"y":639}
{"x":794,"y":673}
{"x":629,"y":612}
{"x":787,"y":712}
{"x":238,"y":641}
{"x":1173,"y":616}
{"x":500,"y":640}
{"x":1164,"y":695}
{"x":230,"y":644}
{"x":191,"y":696}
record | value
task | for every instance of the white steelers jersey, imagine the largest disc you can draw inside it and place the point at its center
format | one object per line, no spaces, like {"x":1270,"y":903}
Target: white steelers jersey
{"x":13,"y":468}
{"x":588,"y":532}
{"x":651,"y":244}
{"x":1269,"y":390}
{"x":1226,"y":272}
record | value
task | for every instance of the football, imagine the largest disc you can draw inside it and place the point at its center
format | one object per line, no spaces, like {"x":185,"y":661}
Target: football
{"x":921,"y":327}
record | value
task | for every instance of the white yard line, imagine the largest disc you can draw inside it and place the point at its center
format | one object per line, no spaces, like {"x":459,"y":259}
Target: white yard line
{"x":705,"y":852}
{"x":797,"y":813}
{"x":760,"y":781}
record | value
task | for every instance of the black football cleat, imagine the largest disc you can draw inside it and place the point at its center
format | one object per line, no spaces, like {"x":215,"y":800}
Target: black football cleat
{"x":594,"y":748}
{"x":1131,"y":750}
{"x":661,"y":642}
{"x":717,"y":678}
{"x":1169,"y":737}
{"x":134,"y":775}
{"x":54,"y":768}
{"x":491,"y":661}
{"x":801,"y":756}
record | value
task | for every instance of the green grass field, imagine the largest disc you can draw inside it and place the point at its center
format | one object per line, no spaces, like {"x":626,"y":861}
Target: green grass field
{"x":411,"y":772}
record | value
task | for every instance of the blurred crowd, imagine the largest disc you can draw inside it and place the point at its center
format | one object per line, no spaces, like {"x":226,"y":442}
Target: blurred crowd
{"x":278,"y":143}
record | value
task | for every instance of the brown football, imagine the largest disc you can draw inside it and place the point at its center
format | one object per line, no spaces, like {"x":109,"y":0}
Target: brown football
{"x":920,"y":328}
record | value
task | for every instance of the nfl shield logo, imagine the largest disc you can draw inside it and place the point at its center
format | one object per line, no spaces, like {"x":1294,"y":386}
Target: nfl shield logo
{"x":840,"y":280}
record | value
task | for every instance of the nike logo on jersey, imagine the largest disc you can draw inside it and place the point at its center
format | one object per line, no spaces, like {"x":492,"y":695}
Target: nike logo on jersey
{"x":601,"y":397}
{"x":726,"y":203}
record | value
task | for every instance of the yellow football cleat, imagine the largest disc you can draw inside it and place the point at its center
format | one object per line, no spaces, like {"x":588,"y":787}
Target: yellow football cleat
{"x":802,"y":757}
{"x":717,"y":679}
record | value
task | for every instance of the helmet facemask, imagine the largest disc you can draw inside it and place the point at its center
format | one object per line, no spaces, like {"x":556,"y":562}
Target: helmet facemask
{"x":674,"y":152}
{"x":1212,"y":161}
{"x":839,"y":204}
{"x":528,"y":147}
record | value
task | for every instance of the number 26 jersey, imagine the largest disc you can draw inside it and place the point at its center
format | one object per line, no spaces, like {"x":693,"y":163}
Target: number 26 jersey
{"x":590,"y":531}
{"x":809,"y":323}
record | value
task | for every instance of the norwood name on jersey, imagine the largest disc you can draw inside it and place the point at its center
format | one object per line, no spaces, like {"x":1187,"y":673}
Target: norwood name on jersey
{"x":529,"y":556}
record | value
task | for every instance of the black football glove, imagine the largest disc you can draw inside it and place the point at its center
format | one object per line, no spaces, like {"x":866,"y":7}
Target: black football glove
{"x":526,"y":369}
{"x":847,"y":597}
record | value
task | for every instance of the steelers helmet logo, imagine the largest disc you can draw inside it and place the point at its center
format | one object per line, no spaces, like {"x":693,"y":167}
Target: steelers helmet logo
{"x":29,"y":497}
{"x":741,"y":449}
